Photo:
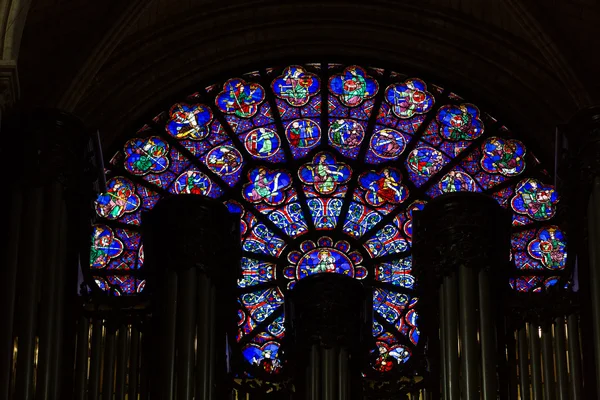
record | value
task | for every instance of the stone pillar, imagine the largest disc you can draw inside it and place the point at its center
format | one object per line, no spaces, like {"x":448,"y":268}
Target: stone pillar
{"x":582,"y":194}
{"x":461,"y":258}
{"x":328,"y":318}
{"x":192,"y":256}
{"x":48,"y":186}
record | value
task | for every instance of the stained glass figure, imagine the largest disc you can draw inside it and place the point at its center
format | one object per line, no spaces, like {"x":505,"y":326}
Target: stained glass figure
{"x":460,"y":122}
{"x":324,"y":173}
{"x":224,"y":160}
{"x":240,"y":98}
{"x":383,"y":187}
{"x":423,"y":162}
{"x":535,"y":199}
{"x":120,"y":198}
{"x":549,"y":247}
{"x":503,"y":156}
{"x":296,"y":86}
{"x":189,"y":121}
{"x":346,"y":134}
{"x":457,"y":181}
{"x":267,"y":186}
{"x":193,"y":182}
{"x":409,"y":98}
{"x":388,"y":143}
{"x":303,"y":133}
{"x":324,"y":181}
{"x":353,"y":86}
{"x":105,"y":246}
{"x":262,"y":142}
{"x":146,"y":155}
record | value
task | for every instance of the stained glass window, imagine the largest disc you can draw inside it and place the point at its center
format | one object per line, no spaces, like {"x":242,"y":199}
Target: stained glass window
{"x":325,"y":164}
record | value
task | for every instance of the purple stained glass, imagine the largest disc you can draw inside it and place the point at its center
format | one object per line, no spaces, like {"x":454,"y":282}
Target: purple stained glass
{"x":324,"y":173}
{"x":189,"y":121}
{"x":240,"y":98}
{"x":293,"y":175}
{"x":409,"y":98}
{"x":535,"y":199}
{"x":460,"y":122}
{"x":346,"y":135}
{"x":296,"y":85}
{"x":353,"y":86}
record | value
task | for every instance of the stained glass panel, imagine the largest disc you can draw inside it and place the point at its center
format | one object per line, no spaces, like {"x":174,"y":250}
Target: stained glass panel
{"x":325,"y":165}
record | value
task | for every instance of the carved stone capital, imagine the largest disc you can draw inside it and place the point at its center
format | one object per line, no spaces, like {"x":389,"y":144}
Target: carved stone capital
{"x":469,"y":229}
{"x":329,"y":310}
{"x":190,"y":231}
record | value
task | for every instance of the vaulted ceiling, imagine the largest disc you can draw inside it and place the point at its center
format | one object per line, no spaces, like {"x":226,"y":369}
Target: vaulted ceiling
{"x":533,"y":63}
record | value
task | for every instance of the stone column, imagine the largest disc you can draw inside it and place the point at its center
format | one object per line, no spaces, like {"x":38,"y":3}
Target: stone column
{"x":192,"y":254}
{"x":328,"y":321}
{"x":462,"y":258}
{"x":582,"y":194}
{"x":48,"y":186}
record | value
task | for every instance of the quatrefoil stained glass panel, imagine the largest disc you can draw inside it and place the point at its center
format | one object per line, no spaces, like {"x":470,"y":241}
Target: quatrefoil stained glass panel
{"x":325,"y":164}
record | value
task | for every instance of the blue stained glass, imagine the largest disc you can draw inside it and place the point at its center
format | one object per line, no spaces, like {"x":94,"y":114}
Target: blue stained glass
{"x":129,"y":255}
{"x":324,"y":173}
{"x":261,"y":157}
{"x":262,"y":303}
{"x":226,"y":161}
{"x":361,"y":113}
{"x":126,"y":284}
{"x":264,"y":143}
{"x":526,"y":283}
{"x":460,"y":122}
{"x":144,"y":156}
{"x":390,"y":305}
{"x":313,"y":108}
{"x":189,"y":121}
{"x":215,"y":137}
{"x":267,"y":186}
{"x":360,"y":219}
{"x":472,"y":165}
{"x":386,"y":144}
{"x":265,"y":357}
{"x":353,"y":86}
{"x":240,"y":98}
{"x":120,"y":198}
{"x":388,"y":240}
{"x":302,"y":134}
{"x":397,"y":272}
{"x":148,"y":197}
{"x":383,"y":186}
{"x":503,"y":196}
{"x":290,"y":219}
{"x":454,"y":181}
{"x":255,"y":272}
{"x":346,"y":135}
{"x":424,"y":162}
{"x":540,"y":249}
{"x":287,"y":112}
{"x":296,"y":86}
{"x":105,"y":246}
{"x":261,"y":240}
{"x":387,"y":118}
{"x":503,"y":156}
{"x":194,"y":181}
{"x":535,"y":200}
{"x":409,"y":98}
{"x":325,"y":212}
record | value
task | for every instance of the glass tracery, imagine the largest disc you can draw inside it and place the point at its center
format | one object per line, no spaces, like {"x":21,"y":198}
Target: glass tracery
{"x":325,"y":164}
